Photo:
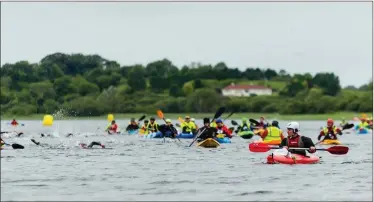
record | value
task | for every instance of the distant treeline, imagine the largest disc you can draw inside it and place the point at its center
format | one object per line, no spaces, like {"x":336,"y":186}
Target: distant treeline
{"x":91,"y":85}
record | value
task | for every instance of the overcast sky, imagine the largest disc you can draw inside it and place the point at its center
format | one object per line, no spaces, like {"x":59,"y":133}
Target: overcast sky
{"x":297,"y":37}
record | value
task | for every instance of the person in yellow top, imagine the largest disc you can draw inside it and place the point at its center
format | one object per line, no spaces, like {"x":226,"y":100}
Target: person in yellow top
{"x":188,"y":126}
{"x":152,"y":126}
{"x":272,"y":133}
{"x":143,"y":129}
{"x":193,"y":121}
{"x":363,"y":124}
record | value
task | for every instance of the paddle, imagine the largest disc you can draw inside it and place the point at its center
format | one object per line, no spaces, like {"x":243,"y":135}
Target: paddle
{"x":228,"y":116}
{"x":142,"y":118}
{"x":234,"y":123}
{"x":161,"y":115}
{"x":254,"y":121}
{"x":15,"y":145}
{"x":261,"y":147}
{"x":178,"y":125}
{"x":219,"y":112}
{"x":348,"y":126}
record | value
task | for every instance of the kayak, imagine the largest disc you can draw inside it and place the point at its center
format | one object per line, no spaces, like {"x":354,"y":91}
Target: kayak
{"x":208,"y":143}
{"x":269,"y":142}
{"x":222,"y":139}
{"x":246,"y":134}
{"x":186,"y":136}
{"x":277,"y":158}
{"x":330,"y":142}
{"x":132,"y":132}
{"x":363,"y":131}
{"x":153,"y":135}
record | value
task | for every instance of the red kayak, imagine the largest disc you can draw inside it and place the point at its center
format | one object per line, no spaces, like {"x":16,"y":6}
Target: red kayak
{"x":293,"y":159}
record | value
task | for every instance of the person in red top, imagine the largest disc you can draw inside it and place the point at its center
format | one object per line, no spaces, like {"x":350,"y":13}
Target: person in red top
{"x":222,"y":129}
{"x":112,"y":128}
{"x":330,"y":131}
{"x":294,"y":140}
{"x":14,"y":122}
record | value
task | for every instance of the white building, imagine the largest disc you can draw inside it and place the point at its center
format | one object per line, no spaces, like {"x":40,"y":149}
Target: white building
{"x":245,"y":90}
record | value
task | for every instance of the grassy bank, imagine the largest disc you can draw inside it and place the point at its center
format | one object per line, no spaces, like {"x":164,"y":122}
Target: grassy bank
{"x":270,"y":116}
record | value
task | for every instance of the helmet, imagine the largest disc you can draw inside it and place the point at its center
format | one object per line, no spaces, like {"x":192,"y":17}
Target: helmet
{"x":330,"y":121}
{"x":192,"y":119}
{"x":146,"y":121}
{"x":206,"y":120}
{"x":168,"y":120}
{"x":218,"y":121}
{"x":152,"y":118}
{"x":275,"y":123}
{"x":293,"y":125}
{"x":363,"y":119}
{"x":244,"y":119}
{"x":132,"y":119}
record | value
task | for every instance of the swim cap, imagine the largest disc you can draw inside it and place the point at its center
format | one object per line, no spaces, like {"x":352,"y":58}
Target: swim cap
{"x":218,"y":121}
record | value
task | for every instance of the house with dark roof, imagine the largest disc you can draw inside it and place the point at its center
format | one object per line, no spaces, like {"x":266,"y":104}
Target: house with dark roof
{"x":245,"y":90}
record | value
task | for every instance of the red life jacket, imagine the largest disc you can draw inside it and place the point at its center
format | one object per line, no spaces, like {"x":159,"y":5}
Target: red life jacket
{"x":294,"y":142}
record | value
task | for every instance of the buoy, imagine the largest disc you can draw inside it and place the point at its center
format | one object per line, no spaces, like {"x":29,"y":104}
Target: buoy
{"x":48,"y":120}
{"x":110,"y":117}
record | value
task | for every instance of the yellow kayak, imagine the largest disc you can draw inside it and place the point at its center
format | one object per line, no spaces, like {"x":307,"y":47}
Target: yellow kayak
{"x":208,"y":143}
{"x":269,"y":142}
{"x":327,"y":142}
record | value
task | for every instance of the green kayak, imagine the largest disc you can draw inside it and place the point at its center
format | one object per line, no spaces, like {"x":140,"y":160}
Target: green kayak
{"x":246,"y":134}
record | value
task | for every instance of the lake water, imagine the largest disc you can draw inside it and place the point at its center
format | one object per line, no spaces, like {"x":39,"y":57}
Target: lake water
{"x":139,"y":169}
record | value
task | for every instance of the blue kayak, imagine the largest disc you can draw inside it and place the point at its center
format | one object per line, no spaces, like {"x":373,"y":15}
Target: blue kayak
{"x":132,"y":132}
{"x":223,"y":140}
{"x":363,"y":131}
{"x":153,"y":135}
{"x":186,"y":136}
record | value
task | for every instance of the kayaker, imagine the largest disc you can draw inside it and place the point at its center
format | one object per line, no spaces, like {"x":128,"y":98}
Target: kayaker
{"x":362,"y":124}
{"x":272,"y":132}
{"x":144,"y":126}
{"x":330,"y":132}
{"x":243,"y":127}
{"x":262,"y":124}
{"x":168,"y":130}
{"x":14,"y":122}
{"x":222,"y":129}
{"x":152,"y":126}
{"x":207,"y":131}
{"x":188,"y":126}
{"x":133,"y":125}
{"x":112,"y":128}
{"x":295,"y":140}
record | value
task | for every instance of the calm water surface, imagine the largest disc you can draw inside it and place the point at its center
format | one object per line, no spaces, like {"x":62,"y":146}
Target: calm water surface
{"x":138,"y":169}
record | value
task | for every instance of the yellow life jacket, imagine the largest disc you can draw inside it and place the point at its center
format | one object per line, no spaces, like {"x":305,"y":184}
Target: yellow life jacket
{"x":274,"y":133}
{"x":213,"y":125}
{"x":363,"y":125}
{"x":326,"y":130}
{"x":190,"y":126}
{"x":151,"y":127}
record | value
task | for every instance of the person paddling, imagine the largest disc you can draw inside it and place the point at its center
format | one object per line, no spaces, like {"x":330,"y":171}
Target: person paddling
{"x":168,"y":130}
{"x":133,"y":125}
{"x":330,"y":132}
{"x":296,"y":140}
{"x":209,"y":132}
{"x":222,"y":129}
{"x":112,"y":128}
{"x":14,"y":122}
{"x":272,"y":132}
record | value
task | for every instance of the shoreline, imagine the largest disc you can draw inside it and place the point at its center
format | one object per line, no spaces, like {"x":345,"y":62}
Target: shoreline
{"x":270,"y":116}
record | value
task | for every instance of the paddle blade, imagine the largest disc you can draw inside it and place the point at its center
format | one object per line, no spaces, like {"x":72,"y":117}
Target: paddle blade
{"x":17,"y":146}
{"x":142,"y":118}
{"x":259,"y":147}
{"x":254,"y":121}
{"x":180,"y":119}
{"x":178,"y":125}
{"x":219,"y":112}
{"x":348,"y":126}
{"x":234,"y":123}
{"x":338,"y":150}
{"x":160,"y":114}
{"x":229,"y":115}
